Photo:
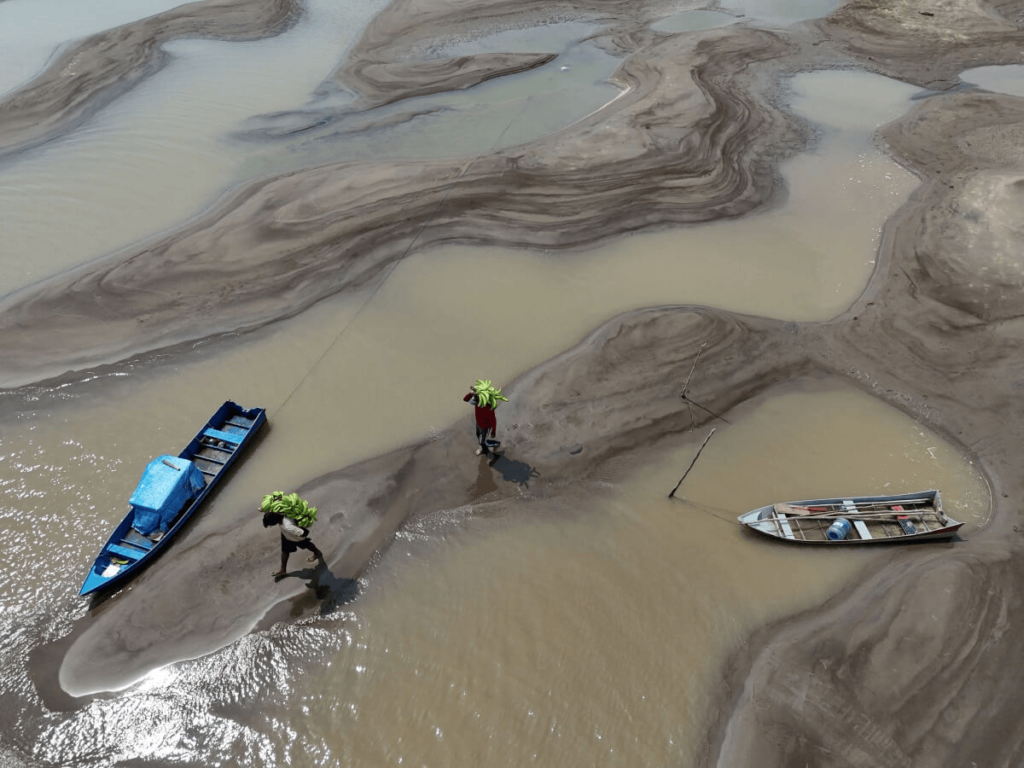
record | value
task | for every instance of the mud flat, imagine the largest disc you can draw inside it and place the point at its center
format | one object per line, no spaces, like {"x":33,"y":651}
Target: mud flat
{"x":916,"y":664}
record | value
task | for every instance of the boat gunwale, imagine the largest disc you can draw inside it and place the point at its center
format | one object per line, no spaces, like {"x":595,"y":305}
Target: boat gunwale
{"x":750,"y":519}
{"x":220,"y":417}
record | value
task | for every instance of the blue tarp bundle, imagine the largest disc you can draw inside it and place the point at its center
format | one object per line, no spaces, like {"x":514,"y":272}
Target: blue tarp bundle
{"x":167,"y":483}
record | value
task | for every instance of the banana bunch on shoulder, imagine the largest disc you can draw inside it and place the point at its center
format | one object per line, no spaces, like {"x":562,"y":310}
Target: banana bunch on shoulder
{"x":290,"y":506}
{"x":487,"y":395}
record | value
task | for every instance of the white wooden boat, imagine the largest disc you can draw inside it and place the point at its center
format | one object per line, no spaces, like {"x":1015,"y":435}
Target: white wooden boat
{"x":855,"y":519}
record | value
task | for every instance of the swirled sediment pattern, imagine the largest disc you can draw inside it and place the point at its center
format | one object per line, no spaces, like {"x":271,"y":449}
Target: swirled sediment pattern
{"x":688,"y":143}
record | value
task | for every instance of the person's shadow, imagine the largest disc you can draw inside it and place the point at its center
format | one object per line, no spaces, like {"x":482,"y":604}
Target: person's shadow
{"x":512,"y":471}
{"x":325,"y":588}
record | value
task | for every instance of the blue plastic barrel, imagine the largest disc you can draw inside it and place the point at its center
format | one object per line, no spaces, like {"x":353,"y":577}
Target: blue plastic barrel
{"x":838,"y":530}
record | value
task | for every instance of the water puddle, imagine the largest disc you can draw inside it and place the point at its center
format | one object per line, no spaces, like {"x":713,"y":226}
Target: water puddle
{"x":694,"y":21}
{"x":813,"y":440}
{"x":779,"y":12}
{"x":1005,"y":79}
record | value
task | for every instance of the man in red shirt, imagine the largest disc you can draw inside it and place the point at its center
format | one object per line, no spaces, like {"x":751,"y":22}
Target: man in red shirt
{"x":485,"y":398}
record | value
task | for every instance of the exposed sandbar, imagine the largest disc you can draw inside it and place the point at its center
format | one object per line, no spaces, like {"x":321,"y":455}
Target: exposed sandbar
{"x":90,"y":74}
{"x":385,"y":82}
{"x":677,"y":148}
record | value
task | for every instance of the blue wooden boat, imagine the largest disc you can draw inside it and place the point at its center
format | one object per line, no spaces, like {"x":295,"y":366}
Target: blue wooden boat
{"x":172,"y":488}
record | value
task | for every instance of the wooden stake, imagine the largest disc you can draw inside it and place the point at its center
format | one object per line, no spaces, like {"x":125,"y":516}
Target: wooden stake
{"x":696,"y":456}
{"x":687,"y":384}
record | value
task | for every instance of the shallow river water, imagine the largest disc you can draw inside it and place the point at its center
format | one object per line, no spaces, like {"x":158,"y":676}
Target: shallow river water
{"x":571,"y":635}
{"x":566,"y":634}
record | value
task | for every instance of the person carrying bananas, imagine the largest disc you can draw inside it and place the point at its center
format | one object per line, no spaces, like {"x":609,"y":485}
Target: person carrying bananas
{"x":294,"y":517}
{"x":485,"y":398}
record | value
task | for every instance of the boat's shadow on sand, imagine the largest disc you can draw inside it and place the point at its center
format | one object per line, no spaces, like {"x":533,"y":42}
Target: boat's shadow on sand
{"x":324,"y":588}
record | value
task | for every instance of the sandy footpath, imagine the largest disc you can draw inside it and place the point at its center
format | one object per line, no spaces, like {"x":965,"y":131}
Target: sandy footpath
{"x":916,"y":666}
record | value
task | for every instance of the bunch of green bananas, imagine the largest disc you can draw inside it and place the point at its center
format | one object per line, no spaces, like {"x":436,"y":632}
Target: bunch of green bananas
{"x":290,"y":506}
{"x":486,"y":395}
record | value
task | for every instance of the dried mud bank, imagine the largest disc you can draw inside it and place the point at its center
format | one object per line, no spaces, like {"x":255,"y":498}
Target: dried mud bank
{"x":90,"y":74}
{"x":675,"y":149}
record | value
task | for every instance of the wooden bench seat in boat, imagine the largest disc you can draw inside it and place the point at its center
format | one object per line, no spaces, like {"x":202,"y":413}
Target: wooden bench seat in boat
{"x":228,"y":437}
{"x":132,"y":554}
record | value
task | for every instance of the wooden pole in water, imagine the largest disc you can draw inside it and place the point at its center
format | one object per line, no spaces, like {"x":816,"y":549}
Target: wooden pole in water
{"x":686,"y":384}
{"x":696,"y":456}
{"x":686,"y":388}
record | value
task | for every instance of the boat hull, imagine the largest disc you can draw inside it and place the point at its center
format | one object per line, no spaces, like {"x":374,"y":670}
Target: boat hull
{"x":902,"y":518}
{"x":214,"y":450}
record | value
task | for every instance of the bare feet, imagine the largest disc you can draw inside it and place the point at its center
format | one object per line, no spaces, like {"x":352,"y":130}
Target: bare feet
{"x":313,"y":558}
{"x":278,"y":574}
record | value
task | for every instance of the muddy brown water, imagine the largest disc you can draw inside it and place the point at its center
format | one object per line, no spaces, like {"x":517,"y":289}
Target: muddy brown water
{"x":593,"y":636}
{"x":571,"y":635}
{"x":568,"y":633}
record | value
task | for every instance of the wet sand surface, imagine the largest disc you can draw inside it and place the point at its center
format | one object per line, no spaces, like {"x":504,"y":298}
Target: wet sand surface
{"x":913,"y":664}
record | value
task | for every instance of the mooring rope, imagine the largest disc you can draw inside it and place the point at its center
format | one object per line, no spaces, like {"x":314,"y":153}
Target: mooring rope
{"x":708,"y":510}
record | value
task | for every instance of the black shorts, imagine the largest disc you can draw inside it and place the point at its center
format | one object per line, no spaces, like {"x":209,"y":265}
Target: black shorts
{"x":288,"y":546}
